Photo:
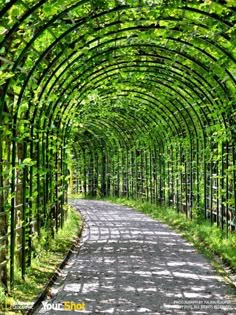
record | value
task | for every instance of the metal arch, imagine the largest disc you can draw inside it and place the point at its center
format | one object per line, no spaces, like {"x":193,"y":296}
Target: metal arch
{"x":149,"y":100}
{"x":130,"y":122}
{"x":105,"y":122}
{"x":205,"y":116}
{"x":111,"y":125}
{"x":177,"y":109}
{"x":149,"y":72}
{"x":154,"y":142}
{"x":92,"y":67}
{"x":55,"y":113}
{"x":70,"y":8}
{"x":213,"y":16}
{"x":205,"y":69}
{"x":63,"y":91}
{"x":148,"y":117}
{"x":139,"y":98}
{"x":95,"y":16}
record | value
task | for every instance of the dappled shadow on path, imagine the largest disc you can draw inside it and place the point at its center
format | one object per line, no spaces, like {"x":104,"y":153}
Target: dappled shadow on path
{"x":131,"y":264}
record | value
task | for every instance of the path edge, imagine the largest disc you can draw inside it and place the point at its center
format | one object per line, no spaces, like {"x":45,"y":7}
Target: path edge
{"x":49,"y":284}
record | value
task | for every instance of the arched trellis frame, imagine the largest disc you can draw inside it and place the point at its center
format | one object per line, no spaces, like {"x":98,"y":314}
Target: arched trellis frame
{"x":140,"y":92}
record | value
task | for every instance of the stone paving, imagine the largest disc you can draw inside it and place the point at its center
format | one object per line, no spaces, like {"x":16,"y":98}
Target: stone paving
{"x":128,"y":263}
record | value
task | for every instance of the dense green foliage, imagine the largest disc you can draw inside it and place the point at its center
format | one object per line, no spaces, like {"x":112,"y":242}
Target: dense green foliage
{"x":131,"y":98}
{"x":40,"y":272}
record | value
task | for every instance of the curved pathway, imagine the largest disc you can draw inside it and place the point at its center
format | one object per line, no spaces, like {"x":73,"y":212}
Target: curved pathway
{"x":128,"y":263}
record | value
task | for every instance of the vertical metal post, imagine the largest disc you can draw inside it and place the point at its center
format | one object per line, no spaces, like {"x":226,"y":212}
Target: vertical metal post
{"x":181,"y":180}
{"x":151,"y":185}
{"x":38,"y":204}
{"x":205,"y":185}
{"x":197,"y":178}
{"x":146,"y":175}
{"x":113,"y":176}
{"x":12,"y":228}
{"x":217,"y":194}
{"x":177,"y":176}
{"x":160,"y":178}
{"x":190,"y":193}
{"x":186,"y":186}
{"x":84,"y":171}
{"x":127,"y":172}
{"x":4,"y":222}
{"x":227,"y":188}
{"x":118,"y":173}
{"x":234,"y":175}
{"x":63,"y":170}
{"x":171,"y":202}
{"x":24,"y":206}
{"x":103,"y":175}
{"x":211,"y":192}
{"x":168,"y":163}
{"x":222,"y":197}
{"x":56,"y":191}
{"x":30,"y":206}
{"x":44,"y":182}
{"x":136,"y":174}
{"x":132,"y":173}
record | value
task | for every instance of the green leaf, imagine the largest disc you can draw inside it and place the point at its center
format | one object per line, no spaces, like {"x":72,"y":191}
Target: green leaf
{"x":4,"y":76}
{"x":28,"y":162}
{"x":2,"y":50}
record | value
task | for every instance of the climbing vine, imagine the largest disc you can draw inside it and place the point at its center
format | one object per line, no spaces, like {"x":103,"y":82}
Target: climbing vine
{"x":120,"y":97}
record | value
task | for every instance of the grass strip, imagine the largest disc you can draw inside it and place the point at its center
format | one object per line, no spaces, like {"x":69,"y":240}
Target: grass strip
{"x":48,"y":257}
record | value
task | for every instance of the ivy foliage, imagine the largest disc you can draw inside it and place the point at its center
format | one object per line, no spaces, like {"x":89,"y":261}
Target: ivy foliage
{"x":117,"y":82}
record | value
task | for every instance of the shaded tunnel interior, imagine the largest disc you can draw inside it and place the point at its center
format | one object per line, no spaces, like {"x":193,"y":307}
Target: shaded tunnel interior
{"x":131,"y":98}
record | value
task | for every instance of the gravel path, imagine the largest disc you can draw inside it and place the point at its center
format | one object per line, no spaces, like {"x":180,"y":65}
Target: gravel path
{"x":128,"y":263}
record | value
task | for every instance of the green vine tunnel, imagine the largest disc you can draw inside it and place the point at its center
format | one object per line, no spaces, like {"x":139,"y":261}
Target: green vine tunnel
{"x":119,"y":97}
